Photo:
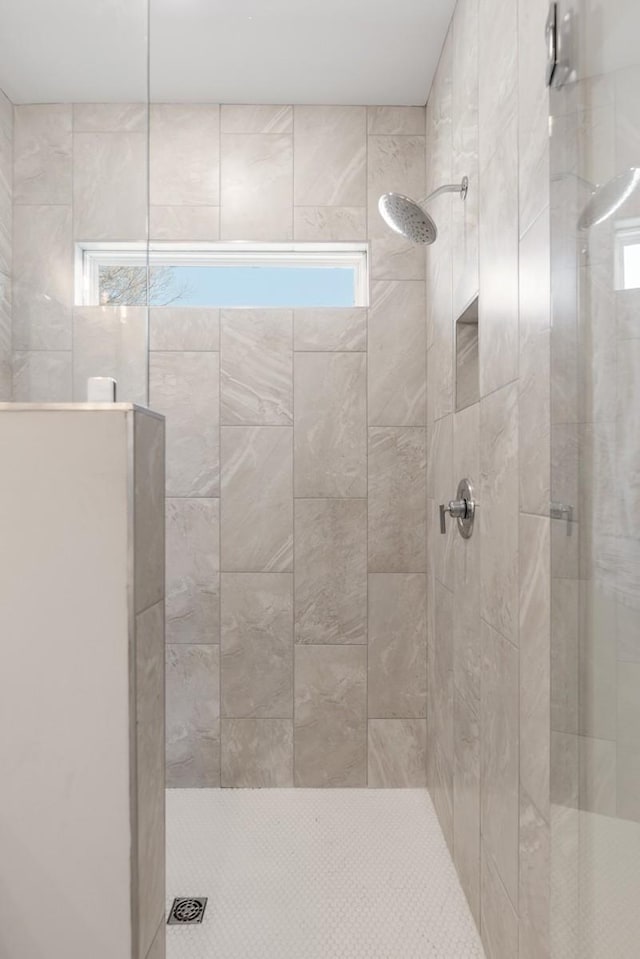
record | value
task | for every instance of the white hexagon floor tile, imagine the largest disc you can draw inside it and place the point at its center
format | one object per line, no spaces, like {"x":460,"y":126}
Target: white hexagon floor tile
{"x":314,"y":874}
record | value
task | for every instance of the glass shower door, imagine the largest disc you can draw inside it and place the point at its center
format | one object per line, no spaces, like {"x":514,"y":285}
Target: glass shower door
{"x":595,"y":509}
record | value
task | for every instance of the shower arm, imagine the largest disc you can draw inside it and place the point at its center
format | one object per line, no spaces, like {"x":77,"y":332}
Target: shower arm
{"x":462,"y":188}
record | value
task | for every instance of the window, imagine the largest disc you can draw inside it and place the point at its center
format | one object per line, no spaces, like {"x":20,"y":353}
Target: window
{"x":627,"y":255}
{"x":218,"y":275}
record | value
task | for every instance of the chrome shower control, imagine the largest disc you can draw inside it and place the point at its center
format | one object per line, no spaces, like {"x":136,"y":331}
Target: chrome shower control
{"x":463,"y":508}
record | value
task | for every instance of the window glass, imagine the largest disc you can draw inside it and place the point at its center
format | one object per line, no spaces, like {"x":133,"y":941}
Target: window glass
{"x":271,"y":275}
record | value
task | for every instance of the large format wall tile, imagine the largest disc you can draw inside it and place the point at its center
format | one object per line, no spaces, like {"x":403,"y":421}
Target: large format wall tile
{"x":533,"y":109}
{"x":256,"y":187}
{"x":498,"y":240}
{"x":391,"y":121}
{"x":330,"y":424}
{"x":534,"y":384}
{"x":193,"y":588}
{"x":397,"y":662}
{"x":440,"y":336}
{"x":499,"y":922}
{"x":466,"y":798}
{"x":184,"y":154}
{"x":466,"y":564}
{"x":535,"y":658}
{"x":5,"y":347}
{"x":184,"y":223}
{"x":331,"y":570}
{"x":256,"y":118}
{"x":257,"y":499}
{"x":110,"y":186}
{"x":498,"y":71}
{"x":498,"y":514}
{"x":394,"y":164}
{"x":184,"y":387}
{"x":442,"y":484}
{"x":257,"y":645}
{"x":464,"y":571}
{"x":257,"y":753}
{"x":42,"y":376}
{"x":329,"y":224}
{"x":150,"y":772}
{"x":177,"y":328}
{"x":330,"y":149}
{"x":111,"y":341}
{"x":149,"y":510}
{"x":534,"y":892}
{"x":110,"y":117}
{"x":193,"y":716}
{"x":6,"y":243}
{"x":440,"y":752}
{"x":256,"y":367}
{"x":465,"y":135}
{"x":397,"y":346}
{"x":439,"y":255}
{"x":397,"y":753}
{"x":42,"y":154}
{"x":330,"y":727}
{"x":331,"y":330}
{"x":628,"y":741}
{"x":397,"y":500}
{"x":499,"y":751}
{"x":42,"y":277}
{"x":597,"y":761}
{"x":565,"y":605}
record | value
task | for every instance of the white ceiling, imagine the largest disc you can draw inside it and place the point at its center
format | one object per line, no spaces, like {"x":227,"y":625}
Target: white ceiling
{"x":228,"y":51}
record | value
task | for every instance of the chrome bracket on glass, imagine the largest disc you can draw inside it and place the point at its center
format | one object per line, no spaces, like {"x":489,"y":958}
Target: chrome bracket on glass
{"x":462,"y":508}
{"x":551,"y":36}
{"x":559,"y":39}
{"x":562,"y":511}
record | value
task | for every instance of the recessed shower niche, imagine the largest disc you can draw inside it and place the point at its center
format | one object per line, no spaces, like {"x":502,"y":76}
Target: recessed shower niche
{"x":467,"y":364}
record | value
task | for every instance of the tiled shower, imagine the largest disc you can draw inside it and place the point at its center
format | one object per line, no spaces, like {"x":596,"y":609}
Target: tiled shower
{"x":296,"y":457}
{"x":320,"y":629}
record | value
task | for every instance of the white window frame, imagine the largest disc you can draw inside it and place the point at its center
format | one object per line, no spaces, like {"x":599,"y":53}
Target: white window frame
{"x":90,"y":256}
{"x":627,"y":233}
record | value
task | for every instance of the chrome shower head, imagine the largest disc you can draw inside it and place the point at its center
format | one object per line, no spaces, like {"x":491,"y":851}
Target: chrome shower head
{"x":608,"y":198}
{"x":405,"y":216}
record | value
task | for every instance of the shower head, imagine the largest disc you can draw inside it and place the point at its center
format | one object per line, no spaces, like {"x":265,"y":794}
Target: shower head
{"x":407,"y":217}
{"x":608,"y":198}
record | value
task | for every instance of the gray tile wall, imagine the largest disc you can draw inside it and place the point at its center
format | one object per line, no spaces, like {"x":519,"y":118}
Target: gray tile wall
{"x":488,"y":606}
{"x":149,"y":671}
{"x":296,"y":455}
{"x":6,"y":243}
{"x":296,"y":461}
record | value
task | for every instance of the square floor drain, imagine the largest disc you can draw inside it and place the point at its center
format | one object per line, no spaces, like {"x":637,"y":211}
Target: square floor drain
{"x":187,"y":910}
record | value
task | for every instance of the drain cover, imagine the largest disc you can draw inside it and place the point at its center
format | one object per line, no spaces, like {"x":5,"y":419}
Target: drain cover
{"x":187,"y":910}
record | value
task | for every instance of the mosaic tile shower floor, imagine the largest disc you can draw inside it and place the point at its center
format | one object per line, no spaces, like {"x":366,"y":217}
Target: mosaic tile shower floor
{"x":315,"y":874}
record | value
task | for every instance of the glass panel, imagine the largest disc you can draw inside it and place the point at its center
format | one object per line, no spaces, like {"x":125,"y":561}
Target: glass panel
{"x":74,"y":119}
{"x":595,"y":720}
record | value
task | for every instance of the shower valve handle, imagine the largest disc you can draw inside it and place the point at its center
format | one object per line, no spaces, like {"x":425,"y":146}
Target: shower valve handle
{"x":463,"y":509}
{"x":457,"y":509}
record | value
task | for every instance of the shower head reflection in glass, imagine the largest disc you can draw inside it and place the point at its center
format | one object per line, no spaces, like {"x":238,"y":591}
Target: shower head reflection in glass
{"x":609,"y":197}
